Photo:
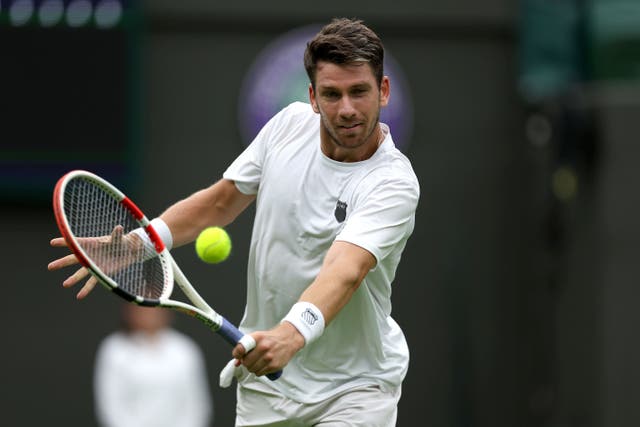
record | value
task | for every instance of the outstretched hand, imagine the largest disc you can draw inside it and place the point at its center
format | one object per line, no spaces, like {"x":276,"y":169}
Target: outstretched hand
{"x":131,"y":244}
{"x":76,"y":277}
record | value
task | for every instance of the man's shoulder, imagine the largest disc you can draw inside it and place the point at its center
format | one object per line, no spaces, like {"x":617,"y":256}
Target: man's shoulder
{"x":300,"y":107}
{"x":390,"y":173}
{"x":297,"y":110}
{"x":296,"y":122}
{"x":391,"y":163}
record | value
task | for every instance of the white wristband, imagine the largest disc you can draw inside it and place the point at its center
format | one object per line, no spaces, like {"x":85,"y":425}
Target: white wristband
{"x":307,"y":319}
{"x":161,"y":228}
{"x":163,"y":231}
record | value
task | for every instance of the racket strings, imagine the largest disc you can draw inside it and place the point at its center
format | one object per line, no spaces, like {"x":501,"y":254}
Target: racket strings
{"x":102,"y":226}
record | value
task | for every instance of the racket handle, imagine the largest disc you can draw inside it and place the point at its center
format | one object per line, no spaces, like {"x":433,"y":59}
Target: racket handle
{"x":232,"y":335}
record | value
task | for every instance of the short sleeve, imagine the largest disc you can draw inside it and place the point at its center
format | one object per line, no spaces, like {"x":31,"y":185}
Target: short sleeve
{"x":247,"y":169}
{"x":384,"y":215}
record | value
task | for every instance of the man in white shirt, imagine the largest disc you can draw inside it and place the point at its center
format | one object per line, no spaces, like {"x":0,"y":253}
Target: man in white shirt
{"x":150,"y":375}
{"x":335,"y":205}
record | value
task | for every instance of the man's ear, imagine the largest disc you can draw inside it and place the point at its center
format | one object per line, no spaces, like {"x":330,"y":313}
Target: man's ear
{"x":312,"y":99}
{"x":385,"y":91}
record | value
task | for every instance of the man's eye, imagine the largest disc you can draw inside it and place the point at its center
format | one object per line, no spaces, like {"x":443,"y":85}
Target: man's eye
{"x":358,"y":92}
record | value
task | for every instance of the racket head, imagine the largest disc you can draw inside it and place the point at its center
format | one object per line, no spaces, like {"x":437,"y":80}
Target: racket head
{"x":94,"y":217}
{"x":96,"y":220}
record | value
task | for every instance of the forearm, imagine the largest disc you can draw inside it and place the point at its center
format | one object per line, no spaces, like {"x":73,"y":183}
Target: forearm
{"x":217,"y":205}
{"x":344,"y":268}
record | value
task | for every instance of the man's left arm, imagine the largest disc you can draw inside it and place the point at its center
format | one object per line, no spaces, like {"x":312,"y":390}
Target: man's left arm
{"x":344,"y":267}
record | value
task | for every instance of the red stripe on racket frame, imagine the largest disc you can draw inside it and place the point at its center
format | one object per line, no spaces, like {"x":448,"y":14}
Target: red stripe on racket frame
{"x":59,"y":214}
{"x":151,"y":232}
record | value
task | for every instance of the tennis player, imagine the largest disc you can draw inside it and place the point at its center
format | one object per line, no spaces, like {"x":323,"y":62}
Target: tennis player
{"x":335,"y":205}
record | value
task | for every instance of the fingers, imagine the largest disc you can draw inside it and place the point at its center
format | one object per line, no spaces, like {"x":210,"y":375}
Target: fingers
{"x":242,"y":349}
{"x":238,"y":351}
{"x":75,"y":277}
{"x":116,"y":234}
{"x":58,"y":242}
{"x":259,"y":360}
{"x":87,"y":288}
{"x":259,"y":367}
{"x":63,"y":262}
{"x":81,"y":273}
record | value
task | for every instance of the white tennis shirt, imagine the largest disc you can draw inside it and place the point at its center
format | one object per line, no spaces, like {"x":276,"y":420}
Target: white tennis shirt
{"x":306,"y":201}
{"x":151,"y":382}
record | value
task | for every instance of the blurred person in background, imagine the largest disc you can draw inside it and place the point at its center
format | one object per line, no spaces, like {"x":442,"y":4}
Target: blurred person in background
{"x":150,"y":375}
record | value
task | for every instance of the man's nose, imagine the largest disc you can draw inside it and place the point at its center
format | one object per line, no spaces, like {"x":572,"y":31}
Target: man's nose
{"x":347,"y":108}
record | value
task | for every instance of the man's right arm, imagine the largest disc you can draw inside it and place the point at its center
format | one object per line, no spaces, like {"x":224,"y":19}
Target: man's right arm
{"x":217,"y":205}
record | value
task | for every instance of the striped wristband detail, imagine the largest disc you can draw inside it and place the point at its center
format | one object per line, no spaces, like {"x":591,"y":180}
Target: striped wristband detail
{"x":307,"y":319}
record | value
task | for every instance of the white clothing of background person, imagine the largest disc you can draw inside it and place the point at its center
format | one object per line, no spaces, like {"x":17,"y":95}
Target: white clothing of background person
{"x":151,"y":379}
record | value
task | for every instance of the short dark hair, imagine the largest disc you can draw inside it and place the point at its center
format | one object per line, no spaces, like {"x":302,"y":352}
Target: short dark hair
{"x":345,"y":41}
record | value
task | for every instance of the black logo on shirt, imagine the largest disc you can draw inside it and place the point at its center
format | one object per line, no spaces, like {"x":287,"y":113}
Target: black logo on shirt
{"x":341,"y":211}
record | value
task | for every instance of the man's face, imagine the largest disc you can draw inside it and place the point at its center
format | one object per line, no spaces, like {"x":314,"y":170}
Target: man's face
{"x":348,"y":100}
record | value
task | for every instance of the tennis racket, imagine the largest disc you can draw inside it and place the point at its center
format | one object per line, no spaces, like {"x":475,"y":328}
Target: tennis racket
{"x":103,"y":227}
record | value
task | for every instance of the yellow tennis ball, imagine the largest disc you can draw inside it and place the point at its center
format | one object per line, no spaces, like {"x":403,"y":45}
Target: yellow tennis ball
{"x":213,"y":245}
